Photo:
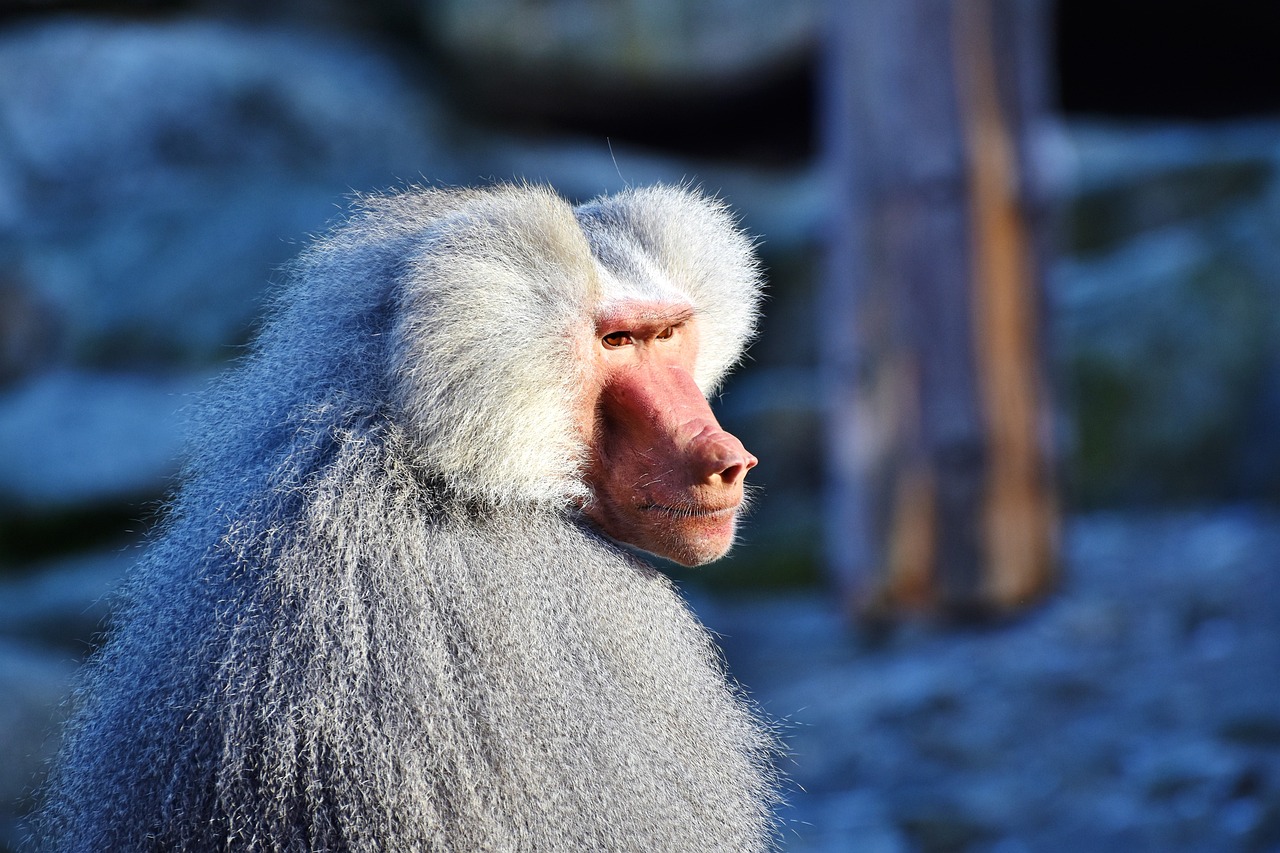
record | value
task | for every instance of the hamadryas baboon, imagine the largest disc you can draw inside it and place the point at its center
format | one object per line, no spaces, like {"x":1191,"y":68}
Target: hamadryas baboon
{"x":388,"y":609}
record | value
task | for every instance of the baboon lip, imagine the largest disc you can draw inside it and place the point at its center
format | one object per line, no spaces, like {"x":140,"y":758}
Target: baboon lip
{"x":691,"y":512}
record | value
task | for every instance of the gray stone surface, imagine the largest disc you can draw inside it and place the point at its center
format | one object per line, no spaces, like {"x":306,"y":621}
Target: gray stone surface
{"x":34,"y":681}
{"x":154,"y":174}
{"x":1138,"y":710}
{"x":63,"y":603}
{"x":665,"y":42}
{"x":1165,"y":310}
{"x":81,"y":440}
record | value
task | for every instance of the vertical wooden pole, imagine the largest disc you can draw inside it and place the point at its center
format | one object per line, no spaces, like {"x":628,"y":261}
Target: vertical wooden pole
{"x":1020,"y":511}
{"x":940,"y":499}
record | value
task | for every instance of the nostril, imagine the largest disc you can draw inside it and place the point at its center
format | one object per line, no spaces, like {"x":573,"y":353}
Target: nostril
{"x":733,"y":473}
{"x":738,"y":469}
{"x":724,"y":459}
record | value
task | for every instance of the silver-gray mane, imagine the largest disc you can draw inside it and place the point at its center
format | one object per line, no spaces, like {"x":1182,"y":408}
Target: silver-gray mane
{"x":373,"y":619}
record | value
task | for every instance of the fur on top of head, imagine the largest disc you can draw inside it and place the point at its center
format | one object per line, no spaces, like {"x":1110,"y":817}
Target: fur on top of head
{"x":493,"y":300}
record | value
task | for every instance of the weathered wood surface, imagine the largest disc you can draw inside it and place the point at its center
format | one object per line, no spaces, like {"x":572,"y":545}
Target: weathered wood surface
{"x":942,"y":496}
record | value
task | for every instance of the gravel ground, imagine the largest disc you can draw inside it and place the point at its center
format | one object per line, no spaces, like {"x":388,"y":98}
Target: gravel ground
{"x":1139,"y":710}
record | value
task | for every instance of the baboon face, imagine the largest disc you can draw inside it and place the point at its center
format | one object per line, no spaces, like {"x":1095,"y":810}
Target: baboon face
{"x":665,"y":477}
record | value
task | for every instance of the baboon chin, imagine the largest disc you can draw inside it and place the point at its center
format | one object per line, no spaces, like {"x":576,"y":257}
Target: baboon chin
{"x":388,"y":610}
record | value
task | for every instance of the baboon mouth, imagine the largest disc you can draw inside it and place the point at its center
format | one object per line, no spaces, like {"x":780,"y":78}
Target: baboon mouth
{"x":691,"y":512}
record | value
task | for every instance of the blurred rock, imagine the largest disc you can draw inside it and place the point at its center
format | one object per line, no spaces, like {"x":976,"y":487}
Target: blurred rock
{"x":333,"y":15}
{"x":63,"y":603}
{"x":29,"y":332}
{"x":1103,"y":218}
{"x":858,"y":814}
{"x":34,"y":682}
{"x":727,"y":78}
{"x":646,"y":40}
{"x":1166,"y":313}
{"x":75,"y":439}
{"x":154,"y":175}
{"x":51,"y":616}
{"x":666,"y":42}
{"x":1095,"y":723}
{"x":1165,"y":366}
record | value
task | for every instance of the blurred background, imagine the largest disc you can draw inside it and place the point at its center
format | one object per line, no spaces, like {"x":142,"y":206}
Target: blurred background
{"x":1010,"y":579}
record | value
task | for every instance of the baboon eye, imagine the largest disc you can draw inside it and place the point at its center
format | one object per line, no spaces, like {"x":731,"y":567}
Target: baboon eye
{"x":617,"y":339}
{"x":667,"y":333}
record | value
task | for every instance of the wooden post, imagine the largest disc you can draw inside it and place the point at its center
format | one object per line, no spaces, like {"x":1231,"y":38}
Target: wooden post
{"x":941,"y":489}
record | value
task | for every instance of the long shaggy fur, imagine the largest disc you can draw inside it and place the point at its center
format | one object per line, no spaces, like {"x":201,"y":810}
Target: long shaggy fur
{"x":374,"y":620}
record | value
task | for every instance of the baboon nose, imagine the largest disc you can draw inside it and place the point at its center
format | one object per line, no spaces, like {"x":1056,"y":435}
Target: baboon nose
{"x":723,"y":458}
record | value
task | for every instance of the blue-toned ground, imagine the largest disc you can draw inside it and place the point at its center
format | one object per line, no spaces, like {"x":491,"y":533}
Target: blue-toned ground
{"x":1138,"y":711}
